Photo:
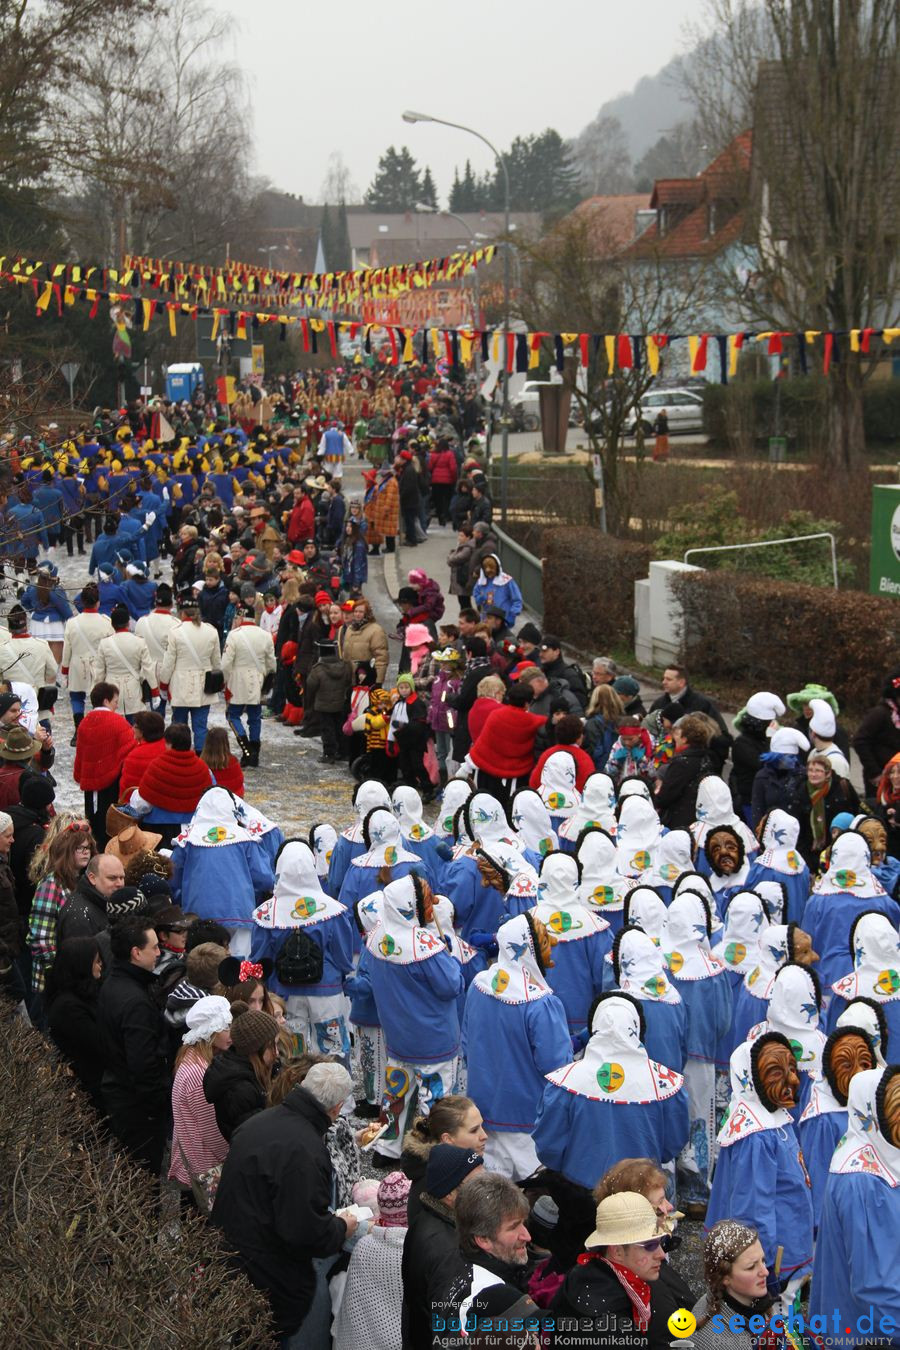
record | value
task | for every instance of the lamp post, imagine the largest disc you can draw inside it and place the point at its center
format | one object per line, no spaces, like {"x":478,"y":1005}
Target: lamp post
{"x":473,"y":239}
{"x":504,"y":416}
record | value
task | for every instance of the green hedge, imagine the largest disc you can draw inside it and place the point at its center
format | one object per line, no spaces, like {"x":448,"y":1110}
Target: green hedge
{"x":780,"y":635}
{"x":746,"y":410}
{"x":589,"y":586}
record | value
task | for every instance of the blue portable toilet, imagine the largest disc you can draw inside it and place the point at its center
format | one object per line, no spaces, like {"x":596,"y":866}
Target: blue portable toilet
{"x":182,"y":379}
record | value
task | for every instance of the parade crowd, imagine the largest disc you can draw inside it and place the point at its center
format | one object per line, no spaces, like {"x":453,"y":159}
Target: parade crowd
{"x":439,"y":1076}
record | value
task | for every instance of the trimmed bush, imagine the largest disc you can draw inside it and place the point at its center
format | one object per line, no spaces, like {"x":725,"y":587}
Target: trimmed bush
{"x":779,"y":635}
{"x":589,"y":586}
{"x":85,"y":1260}
{"x":742,"y":414}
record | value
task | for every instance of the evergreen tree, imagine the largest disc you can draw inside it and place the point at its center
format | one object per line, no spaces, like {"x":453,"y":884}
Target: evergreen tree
{"x":429,"y":191}
{"x":456,"y":188}
{"x":397,"y":184}
{"x":343,"y":254}
{"x":326,"y":236}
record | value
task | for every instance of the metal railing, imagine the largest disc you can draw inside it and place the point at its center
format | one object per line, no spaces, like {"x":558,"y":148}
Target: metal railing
{"x":524,"y":568}
{"x":771,"y":543}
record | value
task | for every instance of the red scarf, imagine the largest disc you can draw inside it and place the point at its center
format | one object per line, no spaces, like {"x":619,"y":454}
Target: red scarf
{"x":638,"y":1290}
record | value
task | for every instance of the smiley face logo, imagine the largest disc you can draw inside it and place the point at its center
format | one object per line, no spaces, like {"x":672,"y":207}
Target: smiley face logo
{"x":674,"y":960}
{"x":500,"y":981}
{"x":304,"y":907}
{"x":793,"y":860}
{"x":735,"y":953}
{"x":417,"y":832}
{"x":846,"y":879}
{"x":682,"y":1323}
{"x":655,"y":986}
{"x":641,"y":860}
{"x":603,"y":895}
{"x":561,"y":922}
{"x":388,"y":947}
{"x":216,"y":834}
{"x":610,"y":1076}
{"x":556,"y":801}
{"x":390,"y":855}
{"x":888,"y":982}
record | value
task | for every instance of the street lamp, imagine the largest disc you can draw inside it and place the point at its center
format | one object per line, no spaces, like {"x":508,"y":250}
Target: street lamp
{"x":424,"y":209}
{"x":411,"y":117}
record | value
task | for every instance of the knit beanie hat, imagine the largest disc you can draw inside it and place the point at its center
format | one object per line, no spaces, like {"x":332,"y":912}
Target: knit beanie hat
{"x":251,"y":1031}
{"x":393,"y":1194}
{"x":36,"y":792}
{"x":203,"y":965}
{"x":125,"y":900}
{"x":448,"y":1166}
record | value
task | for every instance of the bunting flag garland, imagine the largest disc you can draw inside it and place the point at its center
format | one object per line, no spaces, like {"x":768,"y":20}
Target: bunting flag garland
{"x":517,"y":351}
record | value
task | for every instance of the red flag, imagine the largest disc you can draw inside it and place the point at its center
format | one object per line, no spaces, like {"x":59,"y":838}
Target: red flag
{"x":583,"y":340}
{"x":624,"y":355}
{"x":332,"y":338}
{"x":510,"y":353}
{"x":776,"y":346}
{"x":829,"y":349}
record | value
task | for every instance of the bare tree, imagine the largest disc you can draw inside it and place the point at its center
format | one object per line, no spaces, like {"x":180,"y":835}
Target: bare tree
{"x":338,"y":184}
{"x":601,"y":157}
{"x":820,"y":76}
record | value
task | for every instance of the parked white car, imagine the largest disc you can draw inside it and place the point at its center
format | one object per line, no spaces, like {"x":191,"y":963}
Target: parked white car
{"x":684,"y":409}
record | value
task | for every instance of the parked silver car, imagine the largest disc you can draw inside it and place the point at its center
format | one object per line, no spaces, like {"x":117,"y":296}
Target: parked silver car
{"x":684,"y":409}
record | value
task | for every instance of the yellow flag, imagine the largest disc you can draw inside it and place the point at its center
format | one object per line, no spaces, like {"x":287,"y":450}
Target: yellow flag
{"x":854,"y":339}
{"x":610,"y":344}
{"x":652,"y":353}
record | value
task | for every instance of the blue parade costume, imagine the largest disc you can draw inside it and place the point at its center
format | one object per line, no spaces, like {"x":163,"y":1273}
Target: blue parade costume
{"x":260,"y":829}
{"x":751,"y":1002}
{"x":845,"y":892}
{"x":557,"y":788}
{"x":603,"y":888}
{"x":780,"y":861}
{"x":418,"y":837}
{"x":515,"y":1031}
{"x":642,"y":908}
{"x":746,"y":923}
{"x":56,"y":610}
{"x":415,"y":980}
{"x":300,"y":903}
{"x":875,"y":949}
{"x":103,"y":553}
{"x":637,"y":839}
{"x":455,"y":795}
{"x":29,"y":532}
{"x":760,"y":1179}
{"x":640,"y":971}
{"x":219,"y":871}
{"x":322,"y":839}
{"x":140,"y":595}
{"x":794,"y":1010}
{"x":111,"y":594}
{"x":856,"y":1253}
{"x":471,"y":960}
{"x":614,"y":1103}
{"x":714,"y":808}
{"x":532,"y":823}
{"x":674,"y":858}
{"x":597,"y":809}
{"x":381,"y":832}
{"x":499,"y":592}
{"x":350,"y":843}
{"x":583,"y":938}
{"x":479,"y":907}
{"x":824,"y":1119}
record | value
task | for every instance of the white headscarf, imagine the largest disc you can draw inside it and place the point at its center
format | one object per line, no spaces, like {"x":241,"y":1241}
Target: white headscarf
{"x":516,"y":975}
{"x":597,"y":807}
{"x":323,"y":839}
{"x":456,"y":793}
{"x":642,"y":971}
{"x":747,"y":1114}
{"x":602,"y":888}
{"x":408,"y":809}
{"x":560,"y":906}
{"x":386,"y":842}
{"x":206,"y":1018}
{"x":849,"y":869}
{"x":370,"y":909}
{"x":794,"y":1011}
{"x":399,"y":938}
{"x":369,"y":794}
{"x":745,"y":923}
{"x":634,"y":787}
{"x":252,"y":819}
{"x":876,"y":961}
{"x":774,"y":950}
{"x":772,"y":894}
{"x":445,"y":916}
{"x":638,"y":837}
{"x":557,"y":786}
{"x":532,"y":822}
{"x":215,"y":822}
{"x":864,"y":1147}
{"x":299,"y":899}
{"x":715,"y":807}
{"x":491,"y":830}
{"x":686,"y":940}
{"x":646,"y":909}
{"x":673,"y":857}
{"x":615,"y":1067}
{"x":779,"y":844}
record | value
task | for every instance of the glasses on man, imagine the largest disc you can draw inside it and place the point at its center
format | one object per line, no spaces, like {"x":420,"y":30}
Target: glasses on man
{"x":665,"y":1242}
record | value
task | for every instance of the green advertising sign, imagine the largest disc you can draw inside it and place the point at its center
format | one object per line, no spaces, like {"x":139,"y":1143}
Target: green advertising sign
{"x":884,"y":573}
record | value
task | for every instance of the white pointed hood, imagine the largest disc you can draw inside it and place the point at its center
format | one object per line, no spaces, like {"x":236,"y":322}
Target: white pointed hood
{"x":385,"y":842}
{"x":252,"y":819}
{"x":864,"y":1148}
{"x":715,"y":807}
{"x":615,"y":1067}
{"x":645,"y":908}
{"x":322,"y":840}
{"x":849,"y":869}
{"x":642,"y":970}
{"x":774,"y":896}
{"x":531,"y":821}
{"x":399,"y":938}
{"x":602,"y":888}
{"x":747,"y":1114}
{"x":557,"y":786}
{"x":456,"y":794}
{"x":794,"y":1011}
{"x":597,"y":807}
{"x":370,"y":794}
{"x":298,"y":900}
{"x":745,"y":923}
{"x":673,"y":857}
{"x":560,"y":906}
{"x":774,"y":950}
{"x":370,"y":910}
{"x":215,"y":822}
{"x":876,"y":961}
{"x":638,"y":837}
{"x":442,"y":927}
{"x":408,"y":809}
{"x":685,"y":940}
{"x":516,"y":975}
{"x":779,"y":844}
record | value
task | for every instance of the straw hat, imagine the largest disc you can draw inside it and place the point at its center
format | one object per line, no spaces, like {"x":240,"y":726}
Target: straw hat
{"x":130,"y":840}
{"x":622,"y":1218}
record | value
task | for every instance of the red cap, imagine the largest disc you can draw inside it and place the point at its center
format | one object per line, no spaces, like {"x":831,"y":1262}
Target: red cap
{"x":322,"y":598}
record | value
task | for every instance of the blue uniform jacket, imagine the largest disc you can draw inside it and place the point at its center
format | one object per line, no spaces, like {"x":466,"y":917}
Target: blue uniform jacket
{"x":362,"y":881}
{"x":334,"y":936}
{"x":509,"y":1047}
{"x":417,"y":1006}
{"x":57,"y":608}
{"x":708,"y":1006}
{"x":576,"y":974}
{"x":761,"y":1181}
{"x":828,"y":920}
{"x":856,"y":1258}
{"x":224,"y":883}
{"x":818,"y":1138}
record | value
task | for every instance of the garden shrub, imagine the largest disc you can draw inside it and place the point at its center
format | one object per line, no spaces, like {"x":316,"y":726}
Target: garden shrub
{"x":589,"y":586}
{"x":779,"y":635}
{"x":85,"y":1259}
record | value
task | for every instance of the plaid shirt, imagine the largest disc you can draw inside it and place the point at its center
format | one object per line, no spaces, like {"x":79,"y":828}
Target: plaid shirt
{"x":48,"y":900}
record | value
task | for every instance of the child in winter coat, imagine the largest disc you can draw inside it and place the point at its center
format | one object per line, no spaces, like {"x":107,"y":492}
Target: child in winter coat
{"x":429,"y":592}
{"x":441,"y":716}
{"x":380,"y":765}
{"x":328,"y":690}
{"x":409,"y":732}
{"x":293,"y":692}
{"x":631,"y":755}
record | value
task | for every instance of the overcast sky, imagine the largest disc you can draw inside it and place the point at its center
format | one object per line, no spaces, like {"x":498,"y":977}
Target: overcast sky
{"x":337,"y":75}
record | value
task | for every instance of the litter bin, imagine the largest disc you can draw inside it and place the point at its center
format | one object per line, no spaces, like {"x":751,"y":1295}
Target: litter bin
{"x":777,"y":449}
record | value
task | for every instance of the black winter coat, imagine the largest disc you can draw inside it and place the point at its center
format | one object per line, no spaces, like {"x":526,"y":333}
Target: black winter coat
{"x":30,"y":827}
{"x":83,"y":914}
{"x":133,"y":1036}
{"x":74,"y":1027}
{"x":692,"y":702}
{"x":213,"y":604}
{"x":10,"y":921}
{"x":876,"y":741}
{"x":273,"y":1203}
{"x":431,"y":1260}
{"x":592,"y":1294}
{"x":410,"y":496}
{"x":232,"y":1087}
{"x":328,"y":685}
{"x":749,"y":744}
{"x":676,"y":800}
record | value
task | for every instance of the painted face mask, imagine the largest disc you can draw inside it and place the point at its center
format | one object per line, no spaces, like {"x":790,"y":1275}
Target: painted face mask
{"x":875,"y":836}
{"x":545,"y":943}
{"x":778,"y":1078}
{"x":850,"y":1053}
{"x":724,"y":851}
{"x":803,"y":953}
